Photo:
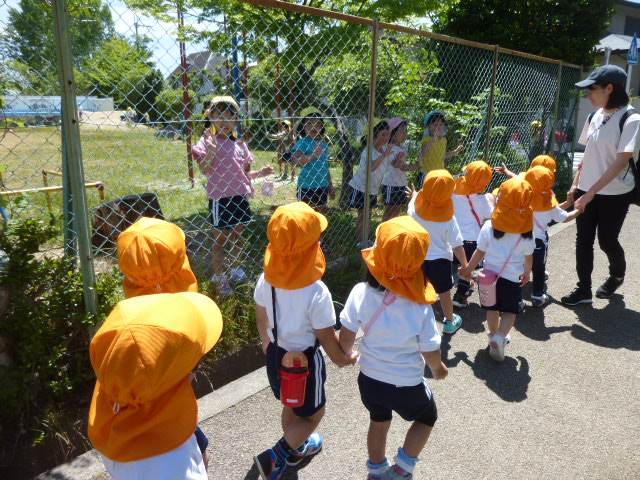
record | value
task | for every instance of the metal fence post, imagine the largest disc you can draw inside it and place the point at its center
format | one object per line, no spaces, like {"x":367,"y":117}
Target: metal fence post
{"x":494,"y":74}
{"x":552,"y":136}
{"x":71,"y":137}
{"x":372,"y":107}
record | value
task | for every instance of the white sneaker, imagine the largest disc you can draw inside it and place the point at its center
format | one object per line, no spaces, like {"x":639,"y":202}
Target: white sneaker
{"x":496,"y":347}
{"x":238,"y":275}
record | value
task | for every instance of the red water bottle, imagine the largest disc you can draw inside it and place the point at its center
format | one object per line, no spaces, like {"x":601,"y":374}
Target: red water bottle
{"x":293,"y":379}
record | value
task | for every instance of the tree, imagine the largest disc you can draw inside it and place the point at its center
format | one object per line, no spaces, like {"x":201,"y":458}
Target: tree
{"x":563,"y":29}
{"x":30,"y":40}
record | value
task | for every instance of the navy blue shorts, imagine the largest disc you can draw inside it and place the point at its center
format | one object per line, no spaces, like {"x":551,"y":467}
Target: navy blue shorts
{"x":356,"y":200}
{"x":439,"y":274}
{"x":314,"y":397}
{"x":315,"y":197}
{"x":227,"y":212}
{"x":394,"y":195}
{"x":508,"y":295}
{"x":415,"y":403}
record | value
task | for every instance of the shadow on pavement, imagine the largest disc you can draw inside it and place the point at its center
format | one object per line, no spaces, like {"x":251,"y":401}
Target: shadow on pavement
{"x":531,"y":324}
{"x":614,"y":326}
{"x":508,"y":381}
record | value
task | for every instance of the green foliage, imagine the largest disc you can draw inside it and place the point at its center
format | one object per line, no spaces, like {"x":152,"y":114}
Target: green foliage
{"x":562,"y":29}
{"x":46,"y":330}
{"x":170,"y":104}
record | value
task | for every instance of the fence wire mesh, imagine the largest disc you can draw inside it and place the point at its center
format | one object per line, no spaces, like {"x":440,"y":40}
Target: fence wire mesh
{"x":154,"y":145}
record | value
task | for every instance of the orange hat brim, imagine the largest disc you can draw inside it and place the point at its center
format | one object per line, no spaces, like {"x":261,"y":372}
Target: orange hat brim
{"x":299,"y":270}
{"x":415,"y":288}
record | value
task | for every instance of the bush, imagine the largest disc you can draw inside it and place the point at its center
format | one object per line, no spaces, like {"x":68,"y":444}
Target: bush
{"x":47,"y":333}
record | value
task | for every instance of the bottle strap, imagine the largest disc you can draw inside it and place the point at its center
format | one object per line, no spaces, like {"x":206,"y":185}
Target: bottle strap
{"x":504,"y":265}
{"x":389,"y":298}
{"x":473,"y":211}
{"x":275,"y":324}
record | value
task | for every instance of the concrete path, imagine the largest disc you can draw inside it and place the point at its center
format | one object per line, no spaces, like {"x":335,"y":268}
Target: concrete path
{"x":565,"y":404}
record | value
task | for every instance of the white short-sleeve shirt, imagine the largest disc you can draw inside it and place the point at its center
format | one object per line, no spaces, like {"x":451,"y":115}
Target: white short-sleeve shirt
{"x":497,"y":251}
{"x":299,"y":312}
{"x":443,"y":236}
{"x":542,"y":220}
{"x":469,"y":226}
{"x":394,"y":177}
{"x":359,"y":180}
{"x":391,"y":351}
{"x":602,"y":144}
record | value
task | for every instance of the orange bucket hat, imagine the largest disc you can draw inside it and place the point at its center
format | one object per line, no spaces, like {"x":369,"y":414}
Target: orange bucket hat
{"x":545,"y":161}
{"x":143,"y":404}
{"x":474,"y":179}
{"x":513,"y":213}
{"x":294,"y":258}
{"x":541,"y":180}
{"x":434,"y":201}
{"x":153,"y":258}
{"x":396,"y":259}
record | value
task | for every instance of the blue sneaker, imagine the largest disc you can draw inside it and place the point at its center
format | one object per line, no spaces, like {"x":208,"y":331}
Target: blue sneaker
{"x":311,"y":446}
{"x":451,"y":327}
{"x":269,"y":466}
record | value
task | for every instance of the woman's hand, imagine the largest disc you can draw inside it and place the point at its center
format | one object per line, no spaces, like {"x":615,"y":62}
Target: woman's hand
{"x":581,"y":203}
{"x":571,"y":194}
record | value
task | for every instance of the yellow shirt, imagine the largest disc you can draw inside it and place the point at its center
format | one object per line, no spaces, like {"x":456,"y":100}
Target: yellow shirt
{"x":435,"y":158}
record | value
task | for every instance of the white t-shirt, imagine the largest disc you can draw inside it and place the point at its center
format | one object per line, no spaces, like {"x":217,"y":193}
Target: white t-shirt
{"x":299,"y":312}
{"x":375,"y":179}
{"x":391,"y":350}
{"x":467,"y":222}
{"x":183,"y":463}
{"x":542,"y":220}
{"x":497,"y":251}
{"x":444,"y":236}
{"x":602,"y":145}
{"x":394,"y":176}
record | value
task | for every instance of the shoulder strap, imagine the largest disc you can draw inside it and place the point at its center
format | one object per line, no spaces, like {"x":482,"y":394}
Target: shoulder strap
{"x":389,"y":298}
{"x":632,"y":164}
{"x":474,"y":212}
{"x":275,"y":323}
{"x":590,"y":117}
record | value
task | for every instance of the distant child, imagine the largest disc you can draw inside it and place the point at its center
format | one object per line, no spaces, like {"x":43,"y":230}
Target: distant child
{"x":393,"y":309}
{"x":506,"y":244}
{"x":311,"y":153}
{"x":379,"y":163}
{"x":432,"y":208}
{"x":395,"y":181}
{"x":471,"y":208}
{"x":285,"y":134}
{"x":226,"y":164}
{"x":545,"y":209}
{"x":434,"y":144}
{"x":152,"y":255}
{"x":144,"y":412}
{"x":294,"y":312}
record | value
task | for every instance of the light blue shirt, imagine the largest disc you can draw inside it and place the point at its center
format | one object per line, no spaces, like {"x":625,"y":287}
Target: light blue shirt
{"x":314,"y":174}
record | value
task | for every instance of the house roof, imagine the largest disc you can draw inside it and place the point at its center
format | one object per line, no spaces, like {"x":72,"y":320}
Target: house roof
{"x":207,"y":61}
{"x":615,"y":41}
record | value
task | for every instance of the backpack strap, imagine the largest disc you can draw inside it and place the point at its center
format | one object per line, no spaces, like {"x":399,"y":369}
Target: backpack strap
{"x":590,"y":117}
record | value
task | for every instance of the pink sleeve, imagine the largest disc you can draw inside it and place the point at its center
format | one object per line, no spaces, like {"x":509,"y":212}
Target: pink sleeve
{"x":199,"y":150}
{"x":248,"y":156}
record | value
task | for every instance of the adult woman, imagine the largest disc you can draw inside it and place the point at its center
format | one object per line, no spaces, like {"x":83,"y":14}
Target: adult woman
{"x":602,"y":187}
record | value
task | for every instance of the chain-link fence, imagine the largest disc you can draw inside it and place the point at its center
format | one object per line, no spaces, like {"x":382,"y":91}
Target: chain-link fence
{"x":153,"y":145}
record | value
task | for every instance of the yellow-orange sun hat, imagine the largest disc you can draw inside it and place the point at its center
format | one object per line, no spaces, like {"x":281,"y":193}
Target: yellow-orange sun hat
{"x":545,"y":161}
{"x":541,"y":180}
{"x":396,"y":259}
{"x":513,"y":213}
{"x":434,"y":201}
{"x":153,"y":258}
{"x":294,"y":258}
{"x":474,"y":179}
{"x":143,"y":404}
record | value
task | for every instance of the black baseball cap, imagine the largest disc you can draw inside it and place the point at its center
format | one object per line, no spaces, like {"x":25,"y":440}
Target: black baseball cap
{"x":605,"y":74}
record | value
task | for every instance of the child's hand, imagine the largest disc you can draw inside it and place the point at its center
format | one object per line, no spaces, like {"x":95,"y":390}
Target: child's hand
{"x":402,"y":158}
{"x":525,"y":278}
{"x":461,"y":273}
{"x":410,"y":191}
{"x":353,"y":357}
{"x":389,"y":150}
{"x":332,"y":192}
{"x":318,"y":151}
{"x":441,"y":372}
{"x":501,"y":169}
{"x":210,"y":141}
{"x":266,"y":170}
{"x":459,"y":149}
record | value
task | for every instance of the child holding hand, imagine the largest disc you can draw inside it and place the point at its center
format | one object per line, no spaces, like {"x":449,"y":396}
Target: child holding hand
{"x":506,"y":244}
{"x":393,"y":308}
{"x":294,"y":312}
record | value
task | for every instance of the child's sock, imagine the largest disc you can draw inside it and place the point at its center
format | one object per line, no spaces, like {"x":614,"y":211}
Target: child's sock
{"x":378,"y":469}
{"x":283,"y":450}
{"x":404,"y":461}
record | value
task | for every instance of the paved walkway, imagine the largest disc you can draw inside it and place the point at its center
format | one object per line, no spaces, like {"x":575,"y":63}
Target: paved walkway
{"x":564,"y":405}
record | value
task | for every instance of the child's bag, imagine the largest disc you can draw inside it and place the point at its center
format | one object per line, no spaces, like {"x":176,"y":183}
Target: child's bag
{"x":487,"y":280}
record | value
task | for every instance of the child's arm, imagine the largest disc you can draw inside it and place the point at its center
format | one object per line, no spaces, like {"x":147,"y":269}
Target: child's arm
{"x":434,"y":362}
{"x":455,"y":152}
{"x":299,"y":159}
{"x":205,"y":154}
{"x":328,"y":338}
{"x":332,"y":191}
{"x":526,"y":276}
{"x":504,"y":170}
{"x":476,"y":258}
{"x":377,"y":163}
{"x":262,"y":322}
{"x":573,"y":214}
{"x":460,"y":255}
{"x":347,"y":339}
{"x":263,"y":172}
